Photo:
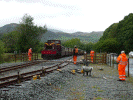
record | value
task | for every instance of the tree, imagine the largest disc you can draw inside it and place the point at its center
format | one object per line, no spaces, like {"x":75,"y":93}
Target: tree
{"x":71,"y":43}
{"x":89,"y":46}
{"x":110,"y":32}
{"x":2,"y":49}
{"x":122,"y":32}
{"x":10,"y":41}
{"x":29,"y":34}
{"x":109,"y":45}
{"x":97,"y":46}
{"x":125,"y":33}
{"x":75,"y":41}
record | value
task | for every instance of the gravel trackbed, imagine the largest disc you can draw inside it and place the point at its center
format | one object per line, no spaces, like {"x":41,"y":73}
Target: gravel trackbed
{"x":63,"y":85}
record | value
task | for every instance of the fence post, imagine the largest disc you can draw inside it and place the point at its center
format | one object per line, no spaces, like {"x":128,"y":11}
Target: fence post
{"x":110,"y":60}
{"x":105,"y":57}
{"x":32,"y":56}
{"x":68,"y":52}
{"x":95,"y":59}
{"x":23,"y":57}
{"x":15,"y":57}
{"x":128,"y":67}
{"x":37,"y":56}
{"x":113,"y":60}
{"x":86,"y":56}
{"x":27,"y":57}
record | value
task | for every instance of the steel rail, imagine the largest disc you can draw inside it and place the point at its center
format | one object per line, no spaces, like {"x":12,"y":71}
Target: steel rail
{"x":20,"y":66}
{"x":28,"y":75}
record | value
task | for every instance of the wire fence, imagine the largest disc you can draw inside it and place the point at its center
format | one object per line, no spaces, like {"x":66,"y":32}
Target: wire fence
{"x":111,"y":61}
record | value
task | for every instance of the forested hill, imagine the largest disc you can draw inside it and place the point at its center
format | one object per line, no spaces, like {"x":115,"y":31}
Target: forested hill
{"x":57,"y":34}
{"x":84,"y":37}
{"x":118,"y":36}
{"x":8,"y":28}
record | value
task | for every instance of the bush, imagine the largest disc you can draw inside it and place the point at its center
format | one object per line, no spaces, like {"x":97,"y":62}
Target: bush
{"x":2,"y":50}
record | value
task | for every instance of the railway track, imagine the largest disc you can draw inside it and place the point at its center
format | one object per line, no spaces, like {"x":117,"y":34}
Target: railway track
{"x":13,"y":79}
{"x":20,"y":66}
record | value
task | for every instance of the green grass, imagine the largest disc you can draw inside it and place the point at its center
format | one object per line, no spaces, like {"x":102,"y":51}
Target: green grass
{"x":100,"y":90}
{"x":39,"y":56}
{"x":130,"y":79}
{"x":99,"y":98}
{"x":6,"y":54}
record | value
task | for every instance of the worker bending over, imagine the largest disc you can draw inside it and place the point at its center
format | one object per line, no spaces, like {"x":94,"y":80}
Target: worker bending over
{"x":122,"y":60}
{"x":75,"y":53}
{"x":30,"y":54}
{"x":92,"y":55}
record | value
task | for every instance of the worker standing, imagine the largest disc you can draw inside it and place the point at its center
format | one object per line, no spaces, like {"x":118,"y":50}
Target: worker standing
{"x":122,"y":60}
{"x":30,"y":54}
{"x":92,"y":55}
{"x":75,"y":53}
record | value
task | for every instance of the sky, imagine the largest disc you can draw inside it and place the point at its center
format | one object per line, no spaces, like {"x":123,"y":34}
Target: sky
{"x":66,"y":15}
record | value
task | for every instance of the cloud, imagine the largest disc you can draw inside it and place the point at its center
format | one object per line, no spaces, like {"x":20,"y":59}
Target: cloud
{"x":67,"y":15}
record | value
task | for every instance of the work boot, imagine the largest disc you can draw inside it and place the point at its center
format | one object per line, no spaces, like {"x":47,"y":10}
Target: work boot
{"x":119,"y":80}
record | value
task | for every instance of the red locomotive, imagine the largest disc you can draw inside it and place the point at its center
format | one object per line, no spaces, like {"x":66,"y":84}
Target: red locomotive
{"x":53,"y":48}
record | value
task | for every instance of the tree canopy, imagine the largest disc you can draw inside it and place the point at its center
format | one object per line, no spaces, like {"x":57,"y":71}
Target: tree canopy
{"x":10,"y":41}
{"x":117,"y":37}
{"x":29,"y":34}
{"x":75,"y":41}
{"x":125,"y":33}
{"x":2,"y":50}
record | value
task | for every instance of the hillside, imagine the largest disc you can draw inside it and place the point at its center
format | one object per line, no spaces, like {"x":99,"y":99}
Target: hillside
{"x":57,"y":34}
{"x":8,"y":28}
{"x":120,"y":35}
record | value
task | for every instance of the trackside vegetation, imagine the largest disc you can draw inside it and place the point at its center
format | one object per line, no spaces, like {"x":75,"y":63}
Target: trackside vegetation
{"x":117,"y":37}
{"x":75,"y":41}
{"x":2,"y":50}
{"x":27,"y":35}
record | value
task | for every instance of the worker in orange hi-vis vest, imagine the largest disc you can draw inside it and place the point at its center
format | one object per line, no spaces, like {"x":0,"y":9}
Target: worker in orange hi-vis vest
{"x":123,"y":61}
{"x":75,"y":53}
{"x":92,"y":55}
{"x":30,"y":54}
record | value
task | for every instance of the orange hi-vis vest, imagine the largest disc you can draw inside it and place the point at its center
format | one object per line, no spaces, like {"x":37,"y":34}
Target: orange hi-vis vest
{"x":76,"y":50}
{"x":122,"y":59}
{"x":30,"y":52}
{"x":92,"y":53}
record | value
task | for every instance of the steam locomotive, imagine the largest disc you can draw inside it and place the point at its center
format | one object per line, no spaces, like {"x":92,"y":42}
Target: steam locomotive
{"x":53,"y":48}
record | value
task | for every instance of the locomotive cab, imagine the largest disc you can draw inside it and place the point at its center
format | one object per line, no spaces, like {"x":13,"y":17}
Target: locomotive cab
{"x":49,"y":47}
{"x":52,"y":48}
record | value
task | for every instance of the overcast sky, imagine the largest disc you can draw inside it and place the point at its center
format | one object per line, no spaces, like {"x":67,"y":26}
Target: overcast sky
{"x":67,"y":15}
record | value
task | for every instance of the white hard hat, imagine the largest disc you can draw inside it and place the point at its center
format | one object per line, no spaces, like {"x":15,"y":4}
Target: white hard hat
{"x":75,"y":46}
{"x":30,"y":48}
{"x":122,"y":51}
